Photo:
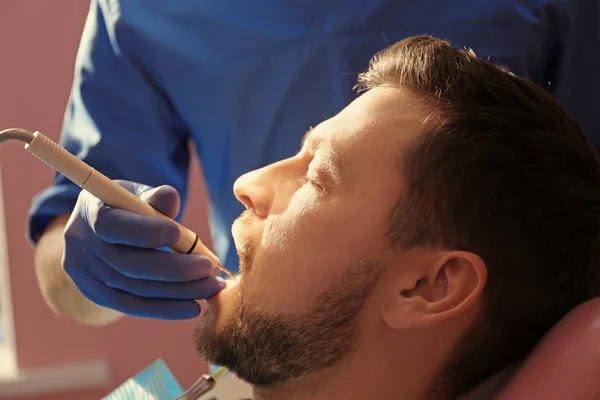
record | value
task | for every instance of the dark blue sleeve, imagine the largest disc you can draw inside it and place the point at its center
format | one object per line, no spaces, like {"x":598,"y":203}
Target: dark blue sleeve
{"x":575,"y":79}
{"x":117,"y":120}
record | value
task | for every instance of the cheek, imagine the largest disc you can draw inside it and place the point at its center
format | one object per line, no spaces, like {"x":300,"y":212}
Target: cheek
{"x":289,"y":268}
{"x":282,"y":230}
{"x":305,"y":249}
{"x":322,"y":232}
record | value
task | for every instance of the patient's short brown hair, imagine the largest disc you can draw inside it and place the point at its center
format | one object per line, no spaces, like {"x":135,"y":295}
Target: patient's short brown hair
{"x":502,"y":171}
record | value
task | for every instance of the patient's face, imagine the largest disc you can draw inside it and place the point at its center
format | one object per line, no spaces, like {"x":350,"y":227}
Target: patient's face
{"x":311,"y":245}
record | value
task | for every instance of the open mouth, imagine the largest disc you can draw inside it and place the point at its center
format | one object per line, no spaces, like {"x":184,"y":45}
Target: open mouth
{"x":230,"y":283}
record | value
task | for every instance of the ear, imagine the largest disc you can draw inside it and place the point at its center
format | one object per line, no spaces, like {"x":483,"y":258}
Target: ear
{"x":440,"y":288}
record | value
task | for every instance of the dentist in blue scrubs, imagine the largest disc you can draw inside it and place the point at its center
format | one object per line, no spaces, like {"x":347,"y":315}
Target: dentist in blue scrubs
{"x":243,"y":81}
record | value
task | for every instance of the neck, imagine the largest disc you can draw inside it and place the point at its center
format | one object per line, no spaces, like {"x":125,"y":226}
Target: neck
{"x":378,"y":370}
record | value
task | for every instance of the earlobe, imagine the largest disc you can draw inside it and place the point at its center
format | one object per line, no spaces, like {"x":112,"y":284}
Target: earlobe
{"x":444,"y":287}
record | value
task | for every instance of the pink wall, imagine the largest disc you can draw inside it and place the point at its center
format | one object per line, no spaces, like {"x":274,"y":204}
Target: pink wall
{"x":38,"y":42}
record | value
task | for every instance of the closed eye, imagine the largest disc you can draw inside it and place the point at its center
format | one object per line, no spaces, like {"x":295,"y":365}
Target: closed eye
{"x":312,"y":182}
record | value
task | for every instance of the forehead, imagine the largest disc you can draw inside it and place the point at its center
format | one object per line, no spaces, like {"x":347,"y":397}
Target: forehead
{"x":379,"y":122}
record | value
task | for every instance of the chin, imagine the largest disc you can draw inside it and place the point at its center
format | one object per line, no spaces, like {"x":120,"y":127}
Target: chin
{"x":219,"y":309}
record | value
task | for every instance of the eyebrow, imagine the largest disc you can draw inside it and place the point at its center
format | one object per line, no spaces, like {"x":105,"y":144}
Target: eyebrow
{"x":333,"y":162}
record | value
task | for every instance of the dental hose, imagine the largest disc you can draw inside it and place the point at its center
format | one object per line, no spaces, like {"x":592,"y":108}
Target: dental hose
{"x":109,"y":192}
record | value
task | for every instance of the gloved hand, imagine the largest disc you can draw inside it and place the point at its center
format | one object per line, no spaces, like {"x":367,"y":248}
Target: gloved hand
{"x":113,"y":257}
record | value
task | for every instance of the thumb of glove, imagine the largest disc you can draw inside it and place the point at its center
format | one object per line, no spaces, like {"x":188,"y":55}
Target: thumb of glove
{"x":164,"y":198}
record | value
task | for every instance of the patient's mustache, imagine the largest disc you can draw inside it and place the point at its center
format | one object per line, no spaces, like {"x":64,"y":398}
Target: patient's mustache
{"x":245,"y":245}
{"x":246,"y":219}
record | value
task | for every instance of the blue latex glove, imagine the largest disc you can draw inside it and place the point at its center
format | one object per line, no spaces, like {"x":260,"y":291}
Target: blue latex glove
{"x":113,"y":257}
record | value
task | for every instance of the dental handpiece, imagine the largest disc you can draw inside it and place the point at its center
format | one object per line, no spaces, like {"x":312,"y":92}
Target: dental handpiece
{"x":109,"y":192}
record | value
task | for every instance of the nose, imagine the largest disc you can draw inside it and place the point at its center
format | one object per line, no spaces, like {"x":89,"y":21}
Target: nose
{"x":254,"y":193}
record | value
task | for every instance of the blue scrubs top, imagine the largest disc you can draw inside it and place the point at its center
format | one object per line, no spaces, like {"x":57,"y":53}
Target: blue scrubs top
{"x":245,"y":79}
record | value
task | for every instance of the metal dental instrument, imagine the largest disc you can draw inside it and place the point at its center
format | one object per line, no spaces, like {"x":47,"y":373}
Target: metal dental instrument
{"x":103,"y":188}
{"x":203,"y":385}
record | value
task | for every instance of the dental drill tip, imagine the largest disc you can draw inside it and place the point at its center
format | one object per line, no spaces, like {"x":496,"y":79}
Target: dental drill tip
{"x":223,"y":269}
{"x":16,"y":134}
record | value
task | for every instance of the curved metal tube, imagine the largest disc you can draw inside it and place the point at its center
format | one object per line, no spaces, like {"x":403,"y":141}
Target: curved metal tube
{"x":16,"y":134}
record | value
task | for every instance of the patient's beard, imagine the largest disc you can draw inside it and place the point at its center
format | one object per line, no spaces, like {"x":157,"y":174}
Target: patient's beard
{"x":266,"y":348}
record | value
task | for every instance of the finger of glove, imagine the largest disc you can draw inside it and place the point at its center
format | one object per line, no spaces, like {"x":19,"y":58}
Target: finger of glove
{"x":150,"y":264}
{"x":117,"y":226}
{"x":191,"y":290}
{"x":129,"y":304}
{"x":133,"y":187}
{"x":201,"y":289}
{"x":164,"y":198}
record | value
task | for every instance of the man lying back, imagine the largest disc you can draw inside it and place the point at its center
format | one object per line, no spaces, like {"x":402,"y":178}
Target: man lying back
{"x":421,"y":240}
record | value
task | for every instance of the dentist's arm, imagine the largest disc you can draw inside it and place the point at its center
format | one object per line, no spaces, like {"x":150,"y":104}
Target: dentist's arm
{"x":58,"y":290}
{"x":574,"y":77}
{"x":100,"y":262}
